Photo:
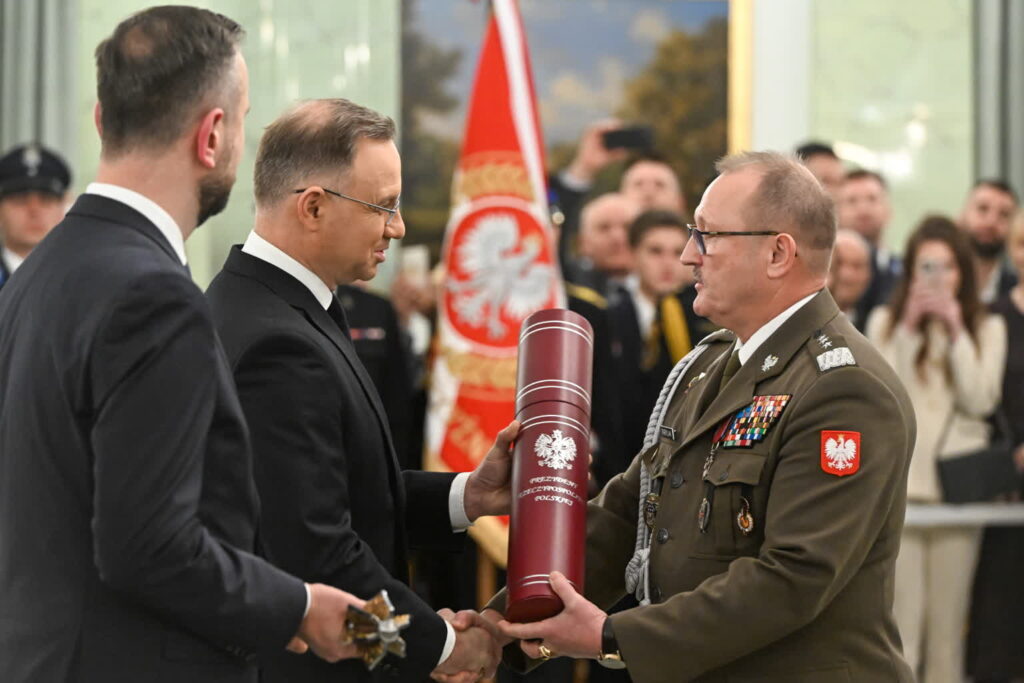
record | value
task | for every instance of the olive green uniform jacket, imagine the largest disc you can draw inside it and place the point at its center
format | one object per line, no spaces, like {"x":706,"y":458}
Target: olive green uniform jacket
{"x":806,"y":596}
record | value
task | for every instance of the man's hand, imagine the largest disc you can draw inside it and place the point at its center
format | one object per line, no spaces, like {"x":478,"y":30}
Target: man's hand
{"x":476,"y":654}
{"x":323,"y":628}
{"x":573,"y":632}
{"x":592,"y":155}
{"x":487,"y":491}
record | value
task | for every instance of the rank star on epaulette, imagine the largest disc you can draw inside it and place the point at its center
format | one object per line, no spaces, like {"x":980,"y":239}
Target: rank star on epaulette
{"x":751,"y":424}
{"x":824,"y":340}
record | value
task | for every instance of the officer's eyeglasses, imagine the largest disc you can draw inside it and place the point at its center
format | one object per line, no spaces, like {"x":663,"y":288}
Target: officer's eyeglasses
{"x":698,"y":235}
{"x":390,"y":212}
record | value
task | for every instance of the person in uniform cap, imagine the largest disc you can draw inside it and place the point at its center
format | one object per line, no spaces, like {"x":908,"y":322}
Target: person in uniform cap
{"x":759,"y":526}
{"x":33,"y":186}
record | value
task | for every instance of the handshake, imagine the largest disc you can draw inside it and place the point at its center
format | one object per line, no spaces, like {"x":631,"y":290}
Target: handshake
{"x":476,"y":653}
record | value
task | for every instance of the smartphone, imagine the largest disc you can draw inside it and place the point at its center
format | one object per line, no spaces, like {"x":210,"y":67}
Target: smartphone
{"x":630,"y":137}
{"x":931,"y":274}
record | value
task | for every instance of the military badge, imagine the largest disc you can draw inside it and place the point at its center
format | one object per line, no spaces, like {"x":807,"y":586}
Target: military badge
{"x":651,"y":509}
{"x":704,"y":515}
{"x":840,"y":452}
{"x":745,"y":520}
{"x":769,"y":363}
{"x":751,"y":424}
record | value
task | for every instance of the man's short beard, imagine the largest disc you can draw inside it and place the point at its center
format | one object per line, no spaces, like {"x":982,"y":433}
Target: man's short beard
{"x":213,"y":196}
{"x":988,"y":251}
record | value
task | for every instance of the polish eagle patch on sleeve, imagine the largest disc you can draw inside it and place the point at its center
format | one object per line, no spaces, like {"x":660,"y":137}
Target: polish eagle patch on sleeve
{"x":840,"y":452}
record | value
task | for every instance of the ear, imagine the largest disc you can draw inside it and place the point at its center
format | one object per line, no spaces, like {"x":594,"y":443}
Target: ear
{"x":782,"y":257}
{"x":210,"y":138}
{"x":309,"y":207}
{"x":97,"y":118}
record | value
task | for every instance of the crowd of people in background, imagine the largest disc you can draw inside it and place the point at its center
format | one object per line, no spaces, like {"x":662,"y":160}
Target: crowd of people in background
{"x":946,"y":310}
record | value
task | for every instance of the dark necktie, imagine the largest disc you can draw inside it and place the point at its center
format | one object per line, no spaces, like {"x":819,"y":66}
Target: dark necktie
{"x":337,"y":314}
{"x":731,"y":367}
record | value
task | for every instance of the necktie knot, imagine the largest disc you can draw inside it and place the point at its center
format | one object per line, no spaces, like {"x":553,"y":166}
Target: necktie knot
{"x":732,"y":366}
{"x":337,"y":314}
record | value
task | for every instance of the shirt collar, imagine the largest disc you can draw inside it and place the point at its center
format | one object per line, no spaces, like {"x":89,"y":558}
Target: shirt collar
{"x":260,"y":248}
{"x":11,"y":260}
{"x":148,"y":208}
{"x":768,"y":329}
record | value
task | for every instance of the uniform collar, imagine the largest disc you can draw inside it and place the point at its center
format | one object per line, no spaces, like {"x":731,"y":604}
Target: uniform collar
{"x":768,"y":329}
{"x":148,"y":208}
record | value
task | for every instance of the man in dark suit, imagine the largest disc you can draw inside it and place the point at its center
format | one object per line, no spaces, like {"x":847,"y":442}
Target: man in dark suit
{"x":336,"y":506}
{"x":653,"y":323}
{"x":33,"y":186}
{"x":863,"y":206}
{"x":985,"y":218}
{"x":127,"y":506}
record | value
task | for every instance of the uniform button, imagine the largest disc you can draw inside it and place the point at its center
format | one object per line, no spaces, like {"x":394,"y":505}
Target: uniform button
{"x":723,"y":476}
{"x":662,"y":535}
{"x":677,"y":479}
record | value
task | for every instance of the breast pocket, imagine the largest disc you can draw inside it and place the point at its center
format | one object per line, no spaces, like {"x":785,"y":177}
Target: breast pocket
{"x":734,"y":524}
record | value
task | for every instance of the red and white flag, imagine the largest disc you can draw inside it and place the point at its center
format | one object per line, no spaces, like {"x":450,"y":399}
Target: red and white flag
{"x":500,"y":262}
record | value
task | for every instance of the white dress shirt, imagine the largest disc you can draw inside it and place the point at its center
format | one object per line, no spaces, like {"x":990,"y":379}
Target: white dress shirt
{"x":11,"y":260}
{"x":645,"y":310}
{"x":148,"y":208}
{"x":260,"y":248}
{"x":768,"y":329}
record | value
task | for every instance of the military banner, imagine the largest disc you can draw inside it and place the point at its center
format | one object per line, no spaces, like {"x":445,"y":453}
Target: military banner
{"x":499,"y":260}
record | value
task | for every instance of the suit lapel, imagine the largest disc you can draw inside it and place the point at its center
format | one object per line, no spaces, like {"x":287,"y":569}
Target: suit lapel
{"x":298,"y":296}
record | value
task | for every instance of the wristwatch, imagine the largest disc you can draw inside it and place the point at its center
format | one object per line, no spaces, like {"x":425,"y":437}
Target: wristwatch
{"x":610,"y":656}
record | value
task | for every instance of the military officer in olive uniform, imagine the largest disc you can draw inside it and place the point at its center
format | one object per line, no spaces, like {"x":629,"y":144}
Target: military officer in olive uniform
{"x":759,"y":525}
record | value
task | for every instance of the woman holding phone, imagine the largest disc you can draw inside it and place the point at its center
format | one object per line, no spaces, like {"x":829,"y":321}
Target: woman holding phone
{"x":950,"y":352}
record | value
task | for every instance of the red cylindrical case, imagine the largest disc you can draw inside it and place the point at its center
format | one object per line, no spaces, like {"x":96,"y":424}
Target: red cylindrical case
{"x":551,"y":459}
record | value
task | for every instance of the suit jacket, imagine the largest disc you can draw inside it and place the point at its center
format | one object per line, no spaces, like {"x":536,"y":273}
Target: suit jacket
{"x":605,"y":418}
{"x":378,"y":340}
{"x":805,"y":595}
{"x":127,"y":505}
{"x":336,"y":507}
{"x":640,"y":378}
{"x":883,"y":280}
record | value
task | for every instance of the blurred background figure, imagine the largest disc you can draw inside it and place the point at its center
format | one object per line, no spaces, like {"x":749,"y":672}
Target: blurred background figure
{"x":33,"y":192}
{"x":821,"y":160}
{"x":653,"y":322}
{"x":994,"y":654}
{"x":850,"y":273}
{"x":950,"y":353}
{"x":864,"y":207}
{"x":649,"y":181}
{"x":986,"y":219}
{"x":604,"y":257}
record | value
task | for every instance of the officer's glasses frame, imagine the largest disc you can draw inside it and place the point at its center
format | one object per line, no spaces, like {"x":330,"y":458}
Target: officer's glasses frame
{"x":390,"y":212}
{"x":698,"y":235}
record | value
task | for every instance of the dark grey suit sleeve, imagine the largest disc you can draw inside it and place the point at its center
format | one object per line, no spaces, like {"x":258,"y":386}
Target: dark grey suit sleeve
{"x":293,"y":403}
{"x":154,"y":374}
